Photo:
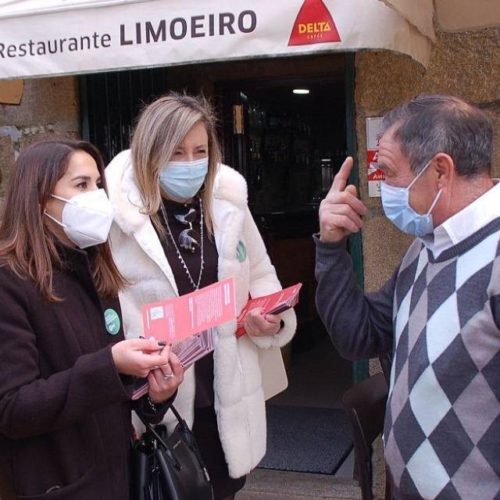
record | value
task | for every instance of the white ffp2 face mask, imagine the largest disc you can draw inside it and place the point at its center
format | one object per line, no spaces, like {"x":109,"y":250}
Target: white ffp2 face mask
{"x":86,"y":218}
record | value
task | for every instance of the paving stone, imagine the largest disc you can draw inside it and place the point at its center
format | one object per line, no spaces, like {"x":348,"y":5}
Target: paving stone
{"x":263,"y":484}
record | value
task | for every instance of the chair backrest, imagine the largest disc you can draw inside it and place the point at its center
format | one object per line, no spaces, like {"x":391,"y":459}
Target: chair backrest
{"x":365,"y":406}
{"x":386,"y":364}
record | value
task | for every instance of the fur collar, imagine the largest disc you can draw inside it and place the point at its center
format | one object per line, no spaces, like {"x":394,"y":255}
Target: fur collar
{"x":231,"y":186}
{"x":123,"y":192}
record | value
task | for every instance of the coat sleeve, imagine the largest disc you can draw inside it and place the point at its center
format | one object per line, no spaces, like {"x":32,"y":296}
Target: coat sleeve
{"x":31,"y":405}
{"x":263,"y":281}
{"x":359,"y":325}
{"x":152,"y":412}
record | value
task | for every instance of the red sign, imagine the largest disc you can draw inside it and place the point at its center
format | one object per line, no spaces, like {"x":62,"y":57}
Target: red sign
{"x":314,"y":24}
{"x":376,"y":175}
{"x":372,"y":155}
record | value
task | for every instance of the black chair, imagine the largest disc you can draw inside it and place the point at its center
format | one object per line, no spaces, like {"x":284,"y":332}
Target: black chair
{"x":365,"y":406}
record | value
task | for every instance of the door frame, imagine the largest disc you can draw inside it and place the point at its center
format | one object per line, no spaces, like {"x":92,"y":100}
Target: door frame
{"x":360,"y":367}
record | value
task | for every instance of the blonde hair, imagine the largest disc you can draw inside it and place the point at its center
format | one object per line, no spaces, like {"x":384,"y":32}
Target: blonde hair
{"x":161,"y":128}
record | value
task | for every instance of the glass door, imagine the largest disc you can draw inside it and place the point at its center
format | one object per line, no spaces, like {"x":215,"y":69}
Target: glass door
{"x":288,"y":139}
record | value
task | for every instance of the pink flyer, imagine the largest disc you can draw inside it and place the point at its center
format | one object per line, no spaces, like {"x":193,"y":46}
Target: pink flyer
{"x":176,"y":319}
{"x":272,"y":304}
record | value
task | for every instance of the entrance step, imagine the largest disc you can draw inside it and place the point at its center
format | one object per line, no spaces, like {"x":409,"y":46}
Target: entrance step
{"x":264,"y":484}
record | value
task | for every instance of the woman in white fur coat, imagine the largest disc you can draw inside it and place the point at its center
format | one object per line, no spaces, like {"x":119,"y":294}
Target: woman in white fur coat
{"x":182,"y":222}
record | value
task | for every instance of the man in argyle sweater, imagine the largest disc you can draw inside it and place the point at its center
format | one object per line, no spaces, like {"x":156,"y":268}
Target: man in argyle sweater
{"x":439,"y":314}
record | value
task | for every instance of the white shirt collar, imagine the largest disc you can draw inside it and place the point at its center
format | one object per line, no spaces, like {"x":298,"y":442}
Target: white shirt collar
{"x":466,"y":222}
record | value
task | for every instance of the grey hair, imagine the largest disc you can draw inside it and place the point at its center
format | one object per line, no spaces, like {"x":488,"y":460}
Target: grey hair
{"x":431,"y":124}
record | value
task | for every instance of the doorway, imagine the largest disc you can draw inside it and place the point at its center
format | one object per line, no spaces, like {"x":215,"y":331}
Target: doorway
{"x":288,"y":138}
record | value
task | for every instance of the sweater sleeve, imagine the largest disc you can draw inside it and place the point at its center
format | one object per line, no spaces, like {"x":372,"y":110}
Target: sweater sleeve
{"x":359,"y":325}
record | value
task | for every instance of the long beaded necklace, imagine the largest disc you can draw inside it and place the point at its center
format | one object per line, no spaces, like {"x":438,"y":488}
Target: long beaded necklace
{"x":177,"y":251}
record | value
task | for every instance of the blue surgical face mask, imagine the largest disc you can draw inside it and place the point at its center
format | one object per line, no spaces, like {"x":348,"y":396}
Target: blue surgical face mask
{"x":396,"y":203}
{"x":181,"y":180}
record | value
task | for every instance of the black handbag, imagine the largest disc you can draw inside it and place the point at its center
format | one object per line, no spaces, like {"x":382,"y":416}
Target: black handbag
{"x":169,"y":467}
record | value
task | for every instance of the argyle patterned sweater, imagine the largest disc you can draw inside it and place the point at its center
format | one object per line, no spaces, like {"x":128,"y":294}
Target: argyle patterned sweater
{"x":442,"y":429}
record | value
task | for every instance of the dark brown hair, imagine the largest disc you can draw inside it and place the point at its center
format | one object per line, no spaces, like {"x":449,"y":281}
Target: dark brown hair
{"x":27,"y":244}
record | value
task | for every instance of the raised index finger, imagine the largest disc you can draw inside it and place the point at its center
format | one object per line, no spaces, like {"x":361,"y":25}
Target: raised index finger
{"x":342,"y":176}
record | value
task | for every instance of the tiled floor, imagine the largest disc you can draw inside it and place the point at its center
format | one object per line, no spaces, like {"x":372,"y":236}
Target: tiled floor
{"x":317,"y":377}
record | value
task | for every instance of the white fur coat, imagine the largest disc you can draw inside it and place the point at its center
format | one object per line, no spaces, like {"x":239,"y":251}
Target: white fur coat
{"x":239,"y":399}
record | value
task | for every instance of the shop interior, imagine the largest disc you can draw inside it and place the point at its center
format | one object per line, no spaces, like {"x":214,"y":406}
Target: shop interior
{"x":288,"y":138}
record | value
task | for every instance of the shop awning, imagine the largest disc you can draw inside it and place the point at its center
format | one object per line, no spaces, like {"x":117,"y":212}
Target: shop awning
{"x":59,"y":37}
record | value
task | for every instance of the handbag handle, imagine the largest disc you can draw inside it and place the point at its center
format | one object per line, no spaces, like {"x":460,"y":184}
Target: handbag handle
{"x":174,"y":411}
{"x":160,"y":440}
{"x":150,"y":428}
{"x":187,"y":434}
{"x":177,"y":415}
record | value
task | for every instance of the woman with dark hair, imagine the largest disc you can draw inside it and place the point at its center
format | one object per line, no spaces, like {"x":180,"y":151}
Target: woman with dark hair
{"x":68,"y":373}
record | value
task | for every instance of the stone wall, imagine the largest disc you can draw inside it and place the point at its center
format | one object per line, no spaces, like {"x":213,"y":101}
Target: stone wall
{"x":48,"y":107}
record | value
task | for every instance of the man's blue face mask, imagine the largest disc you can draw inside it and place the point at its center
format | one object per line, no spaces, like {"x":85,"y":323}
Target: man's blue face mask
{"x":396,"y":203}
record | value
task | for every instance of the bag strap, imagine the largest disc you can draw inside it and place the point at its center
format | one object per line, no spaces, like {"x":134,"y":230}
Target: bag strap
{"x":177,"y":415}
{"x":160,"y":441}
{"x":150,"y":427}
{"x":174,"y":411}
{"x":187,"y":433}
{"x":153,"y":431}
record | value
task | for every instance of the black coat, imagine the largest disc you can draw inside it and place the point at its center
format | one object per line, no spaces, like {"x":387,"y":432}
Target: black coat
{"x":65,"y":422}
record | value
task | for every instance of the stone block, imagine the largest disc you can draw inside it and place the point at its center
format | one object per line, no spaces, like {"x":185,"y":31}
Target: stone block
{"x":45,"y":101}
{"x":6,"y":162}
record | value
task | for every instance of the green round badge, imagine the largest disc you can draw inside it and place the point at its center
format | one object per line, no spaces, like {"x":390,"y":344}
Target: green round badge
{"x":112,"y":321}
{"x":241,"y":251}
